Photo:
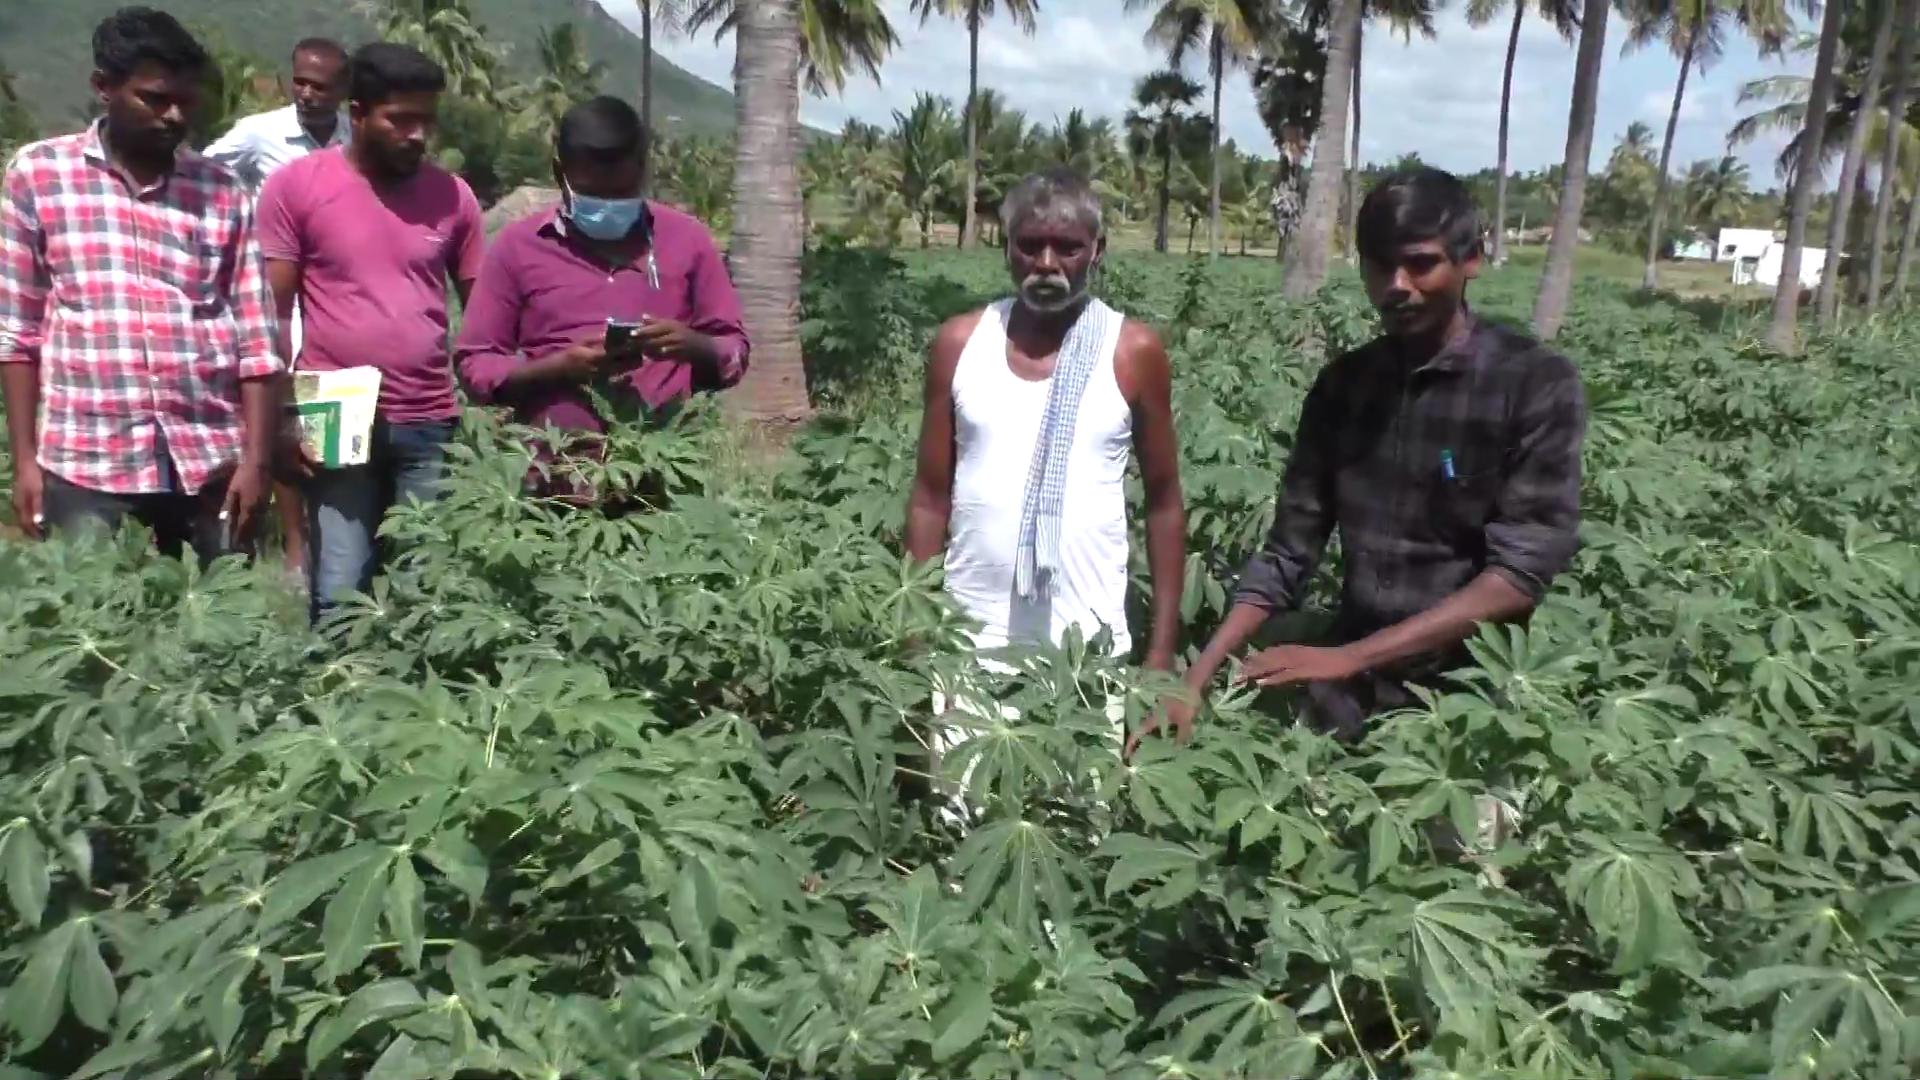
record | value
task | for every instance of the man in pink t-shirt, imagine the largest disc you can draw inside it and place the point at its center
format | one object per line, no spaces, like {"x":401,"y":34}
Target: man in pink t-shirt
{"x":367,"y":237}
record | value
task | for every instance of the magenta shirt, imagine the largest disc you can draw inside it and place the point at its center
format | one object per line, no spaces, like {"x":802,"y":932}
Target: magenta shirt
{"x":374,"y":269}
{"x":539,"y":292}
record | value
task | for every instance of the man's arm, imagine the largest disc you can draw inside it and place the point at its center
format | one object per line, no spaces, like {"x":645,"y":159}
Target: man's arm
{"x":470,"y":246}
{"x":25,"y":282}
{"x":1276,"y":577}
{"x":930,"y":503}
{"x":262,"y":344}
{"x":1145,"y":375}
{"x":1531,"y":537}
{"x":717,"y":320}
{"x":238,"y":150}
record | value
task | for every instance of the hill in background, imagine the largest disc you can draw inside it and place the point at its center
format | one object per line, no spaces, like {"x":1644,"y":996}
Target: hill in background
{"x":47,"y":45}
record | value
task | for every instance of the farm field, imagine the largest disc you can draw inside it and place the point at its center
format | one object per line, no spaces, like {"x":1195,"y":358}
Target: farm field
{"x":646,"y":795}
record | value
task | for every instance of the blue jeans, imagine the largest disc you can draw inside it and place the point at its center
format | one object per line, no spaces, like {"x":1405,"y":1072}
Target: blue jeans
{"x":345,"y":506}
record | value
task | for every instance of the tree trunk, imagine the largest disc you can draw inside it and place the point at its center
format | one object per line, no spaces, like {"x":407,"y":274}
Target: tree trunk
{"x":1166,"y":185}
{"x":1193,"y":226}
{"x":767,"y":236}
{"x":1351,"y":227}
{"x":1506,"y":108}
{"x":1311,"y":247}
{"x":1851,"y":162}
{"x":1213,"y":195}
{"x":926,"y":227}
{"x":1556,"y":283}
{"x":1651,"y":279}
{"x":1907,"y":245}
{"x":1890,"y":156}
{"x":973,"y":122}
{"x":1783,"y":333}
{"x":646,"y":78}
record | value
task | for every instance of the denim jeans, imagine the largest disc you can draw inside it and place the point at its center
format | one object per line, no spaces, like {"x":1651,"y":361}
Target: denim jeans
{"x":179,"y":521}
{"x":345,"y":506}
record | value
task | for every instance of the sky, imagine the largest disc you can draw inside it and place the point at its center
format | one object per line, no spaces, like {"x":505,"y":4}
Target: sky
{"x":1438,"y":98}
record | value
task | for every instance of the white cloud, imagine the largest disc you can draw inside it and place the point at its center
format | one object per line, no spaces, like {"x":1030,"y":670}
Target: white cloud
{"x":1438,"y":98}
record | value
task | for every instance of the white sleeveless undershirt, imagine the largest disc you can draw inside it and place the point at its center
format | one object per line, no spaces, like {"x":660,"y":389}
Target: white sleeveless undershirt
{"x":997,"y":419}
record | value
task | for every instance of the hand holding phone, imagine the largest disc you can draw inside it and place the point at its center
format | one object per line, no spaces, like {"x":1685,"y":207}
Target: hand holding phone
{"x":623,"y":337}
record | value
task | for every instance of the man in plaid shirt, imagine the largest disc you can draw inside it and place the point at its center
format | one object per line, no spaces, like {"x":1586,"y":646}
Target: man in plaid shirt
{"x":1447,"y":453}
{"x":136,"y":336}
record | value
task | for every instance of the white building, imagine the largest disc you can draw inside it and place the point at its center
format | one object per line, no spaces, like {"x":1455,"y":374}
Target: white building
{"x":1737,"y":244}
{"x":1765,"y":269}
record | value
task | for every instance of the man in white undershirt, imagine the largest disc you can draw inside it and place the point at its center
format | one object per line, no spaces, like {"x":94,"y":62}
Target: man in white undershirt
{"x":1034,"y":407}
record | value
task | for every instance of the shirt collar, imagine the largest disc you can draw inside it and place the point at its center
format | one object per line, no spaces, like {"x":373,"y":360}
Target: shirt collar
{"x":286,"y":122}
{"x":95,"y":150}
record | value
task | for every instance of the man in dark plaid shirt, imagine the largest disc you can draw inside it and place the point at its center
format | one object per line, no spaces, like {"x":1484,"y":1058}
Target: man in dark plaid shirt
{"x":1447,"y":453}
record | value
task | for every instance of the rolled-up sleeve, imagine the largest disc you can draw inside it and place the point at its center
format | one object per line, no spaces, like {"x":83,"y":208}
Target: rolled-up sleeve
{"x":252,"y":302}
{"x":488,"y":347}
{"x":24,"y":277}
{"x":1276,"y":577}
{"x":1534,"y":531}
{"x":716,"y":313}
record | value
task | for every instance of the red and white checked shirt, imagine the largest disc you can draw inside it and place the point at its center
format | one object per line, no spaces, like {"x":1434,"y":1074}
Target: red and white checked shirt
{"x":144,"y":309}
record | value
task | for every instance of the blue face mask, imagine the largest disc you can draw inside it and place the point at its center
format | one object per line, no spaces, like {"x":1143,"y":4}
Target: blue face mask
{"x":603,"y":219}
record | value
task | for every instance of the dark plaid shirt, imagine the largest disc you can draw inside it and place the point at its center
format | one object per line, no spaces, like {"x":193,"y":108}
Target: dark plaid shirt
{"x":1375,"y":436}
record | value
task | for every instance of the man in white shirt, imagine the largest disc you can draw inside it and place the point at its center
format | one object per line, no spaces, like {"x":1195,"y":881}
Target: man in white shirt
{"x":259,"y":145}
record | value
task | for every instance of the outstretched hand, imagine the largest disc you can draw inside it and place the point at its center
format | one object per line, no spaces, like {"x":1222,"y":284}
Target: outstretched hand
{"x":1287,"y":665}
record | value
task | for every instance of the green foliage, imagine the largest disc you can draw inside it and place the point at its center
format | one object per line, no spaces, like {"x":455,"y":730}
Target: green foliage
{"x":646,"y":794}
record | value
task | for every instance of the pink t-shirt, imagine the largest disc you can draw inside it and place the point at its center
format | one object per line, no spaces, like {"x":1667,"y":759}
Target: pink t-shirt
{"x":374,"y":266}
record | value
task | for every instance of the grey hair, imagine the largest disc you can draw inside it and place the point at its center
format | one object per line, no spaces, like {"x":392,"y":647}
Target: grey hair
{"x":1053,"y":192}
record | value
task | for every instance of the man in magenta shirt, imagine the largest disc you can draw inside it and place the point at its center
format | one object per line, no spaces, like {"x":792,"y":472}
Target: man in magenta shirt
{"x":535,"y":334}
{"x":368,"y":237}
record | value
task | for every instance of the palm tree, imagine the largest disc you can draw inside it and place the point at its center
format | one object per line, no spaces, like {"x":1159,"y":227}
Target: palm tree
{"x":1556,"y":281}
{"x":1565,"y":18}
{"x":926,"y":141}
{"x":974,"y":11}
{"x":838,"y":37}
{"x":1909,"y":20}
{"x":1694,"y":31}
{"x":669,"y":16}
{"x":446,"y":31}
{"x":1311,"y":248}
{"x":1403,"y":17}
{"x":1717,"y":193}
{"x":1782,"y":335}
{"x":567,"y":77}
{"x":1162,"y":102}
{"x":1854,"y":155}
{"x":1230,"y":29}
{"x":768,"y":231}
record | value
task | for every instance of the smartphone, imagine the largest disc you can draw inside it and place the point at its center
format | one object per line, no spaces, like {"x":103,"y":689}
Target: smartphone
{"x":620,"y":335}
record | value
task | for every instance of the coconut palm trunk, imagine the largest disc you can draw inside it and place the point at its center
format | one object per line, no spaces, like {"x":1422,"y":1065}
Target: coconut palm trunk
{"x":967,"y":223}
{"x":646,"y":64}
{"x":1219,"y":60}
{"x":1556,"y":283}
{"x":1783,"y":333}
{"x":1351,"y":226}
{"x":1166,"y":186}
{"x":1890,"y":155}
{"x":1907,"y":246}
{"x":1656,"y":216}
{"x":1311,"y":247}
{"x":1506,"y":110}
{"x":767,"y":226}
{"x":1850,"y":164}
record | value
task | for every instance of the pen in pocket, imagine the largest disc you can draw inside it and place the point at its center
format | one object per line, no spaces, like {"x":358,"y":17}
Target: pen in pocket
{"x":1446,"y":465}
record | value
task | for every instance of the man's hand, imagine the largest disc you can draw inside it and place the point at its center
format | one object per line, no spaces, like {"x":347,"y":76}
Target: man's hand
{"x":1286,"y":665}
{"x":246,"y":494}
{"x":292,"y":461}
{"x":29,"y":497}
{"x":672,"y":340}
{"x":577,"y":363}
{"x":1175,"y":712}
